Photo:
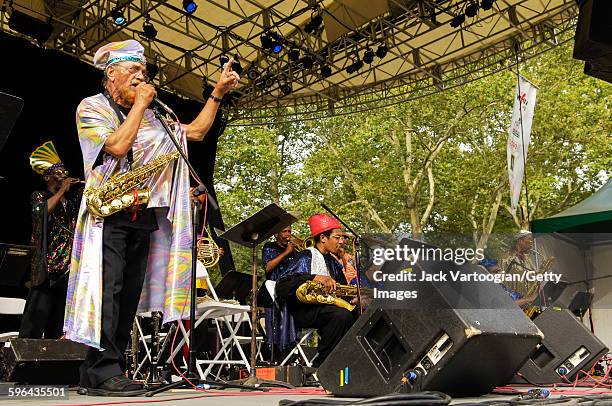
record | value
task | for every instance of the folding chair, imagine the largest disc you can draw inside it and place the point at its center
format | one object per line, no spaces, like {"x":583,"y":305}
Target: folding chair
{"x":11,"y":306}
{"x":307,"y":333}
{"x":227,"y":314}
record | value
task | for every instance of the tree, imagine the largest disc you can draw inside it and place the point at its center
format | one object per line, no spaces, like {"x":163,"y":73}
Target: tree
{"x":438,"y":163}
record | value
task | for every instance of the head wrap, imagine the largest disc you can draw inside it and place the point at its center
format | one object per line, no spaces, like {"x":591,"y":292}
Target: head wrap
{"x":121,"y":51}
{"x":44,"y":159}
{"x":522,"y":234}
{"x":320,"y":223}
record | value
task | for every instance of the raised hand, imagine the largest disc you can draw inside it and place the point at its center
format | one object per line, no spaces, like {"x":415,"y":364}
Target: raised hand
{"x":67,"y":182}
{"x":228,"y":79}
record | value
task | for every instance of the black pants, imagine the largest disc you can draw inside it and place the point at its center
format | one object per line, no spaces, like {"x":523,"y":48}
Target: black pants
{"x":125,"y":251}
{"x":44,"y":310}
{"x":331,"y":322}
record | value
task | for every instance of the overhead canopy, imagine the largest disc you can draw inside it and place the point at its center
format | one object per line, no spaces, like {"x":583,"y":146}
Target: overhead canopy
{"x":592,"y":215}
{"x":425,"y":52}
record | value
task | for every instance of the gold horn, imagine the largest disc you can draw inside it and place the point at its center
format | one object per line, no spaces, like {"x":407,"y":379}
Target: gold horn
{"x":209,"y":252}
{"x":300,"y":244}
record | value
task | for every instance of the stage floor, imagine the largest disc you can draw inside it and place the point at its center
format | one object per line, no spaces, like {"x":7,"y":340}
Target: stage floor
{"x":236,"y":398}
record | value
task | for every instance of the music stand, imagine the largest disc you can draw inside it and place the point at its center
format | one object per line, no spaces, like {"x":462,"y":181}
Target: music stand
{"x":14,"y":269}
{"x":249,"y":233}
{"x":10,"y":107}
{"x":581,"y":302}
{"x":234,"y":285}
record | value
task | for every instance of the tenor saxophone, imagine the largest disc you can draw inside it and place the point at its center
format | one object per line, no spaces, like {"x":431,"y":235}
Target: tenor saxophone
{"x":312,"y":292}
{"x":123,"y":190}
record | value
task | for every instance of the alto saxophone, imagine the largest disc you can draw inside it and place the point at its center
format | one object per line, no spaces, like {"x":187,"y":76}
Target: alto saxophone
{"x":122,"y":190}
{"x":312,"y":292}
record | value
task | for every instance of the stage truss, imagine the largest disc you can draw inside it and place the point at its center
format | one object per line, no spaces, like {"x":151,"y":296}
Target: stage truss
{"x":425,"y":53}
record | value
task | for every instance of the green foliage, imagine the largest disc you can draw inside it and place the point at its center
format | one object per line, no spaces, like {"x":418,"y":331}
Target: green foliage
{"x":435,"y":164}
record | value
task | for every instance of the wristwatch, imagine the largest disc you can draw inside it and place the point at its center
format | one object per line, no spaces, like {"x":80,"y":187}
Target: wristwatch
{"x":215,"y":98}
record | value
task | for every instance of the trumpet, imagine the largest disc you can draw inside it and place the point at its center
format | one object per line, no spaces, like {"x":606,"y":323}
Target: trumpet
{"x":300,"y":244}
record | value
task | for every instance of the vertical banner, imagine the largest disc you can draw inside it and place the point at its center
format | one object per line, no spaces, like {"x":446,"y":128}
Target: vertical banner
{"x":518,"y":140}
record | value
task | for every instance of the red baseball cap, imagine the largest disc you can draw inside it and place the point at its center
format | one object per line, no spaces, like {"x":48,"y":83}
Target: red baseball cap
{"x":320,"y":223}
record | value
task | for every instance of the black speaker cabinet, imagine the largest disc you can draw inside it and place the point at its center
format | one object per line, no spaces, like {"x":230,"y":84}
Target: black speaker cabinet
{"x":593,"y":37}
{"x":42,"y":362}
{"x":567,"y":348}
{"x":464,"y":339}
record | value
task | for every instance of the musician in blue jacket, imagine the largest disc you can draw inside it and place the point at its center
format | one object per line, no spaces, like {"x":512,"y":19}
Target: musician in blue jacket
{"x":317,"y":264}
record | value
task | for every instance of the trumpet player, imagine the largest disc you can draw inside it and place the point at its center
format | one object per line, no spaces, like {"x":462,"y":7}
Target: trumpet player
{"x":317,"y":264}
{"x":54,"y":213}
{"x":281,"y":332}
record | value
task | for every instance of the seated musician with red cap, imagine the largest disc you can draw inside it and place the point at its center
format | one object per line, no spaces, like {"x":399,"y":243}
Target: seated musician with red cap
{"x":317,"y":264}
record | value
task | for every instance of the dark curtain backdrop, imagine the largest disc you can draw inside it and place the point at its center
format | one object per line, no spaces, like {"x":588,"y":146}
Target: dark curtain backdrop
{"x":52,"y":84}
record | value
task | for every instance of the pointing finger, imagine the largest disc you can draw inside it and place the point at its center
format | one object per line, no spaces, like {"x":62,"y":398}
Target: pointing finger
{"x":228,"y":66}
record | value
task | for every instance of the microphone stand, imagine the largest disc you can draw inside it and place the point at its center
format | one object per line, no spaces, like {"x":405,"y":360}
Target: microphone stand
{"x":357,"y":252}
{"x":191,"y":377}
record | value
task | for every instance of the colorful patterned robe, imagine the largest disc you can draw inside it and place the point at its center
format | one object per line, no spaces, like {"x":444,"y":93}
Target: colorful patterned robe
{"x":167,"y":279}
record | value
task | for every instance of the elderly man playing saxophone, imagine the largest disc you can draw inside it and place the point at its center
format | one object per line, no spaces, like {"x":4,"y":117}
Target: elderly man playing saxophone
{"x":138,"y":258}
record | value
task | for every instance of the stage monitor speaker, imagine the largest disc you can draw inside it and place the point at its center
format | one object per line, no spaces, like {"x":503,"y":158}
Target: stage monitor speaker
{"x":600,"y":70}
{"x":42,"y":362}
{"x":593,"y":37}
{"x":456,"y":346}
{"x":568,"y":347}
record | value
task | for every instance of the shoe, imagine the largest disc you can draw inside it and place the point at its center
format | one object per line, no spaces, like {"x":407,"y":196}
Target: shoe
{"x":116,"y":386}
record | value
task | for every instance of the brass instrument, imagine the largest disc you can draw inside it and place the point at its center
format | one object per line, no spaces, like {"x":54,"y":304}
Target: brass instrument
{"x":121,"y":190}
{"x":300,"y":244}
{"x":529,"y":310}
{"x":312,"y":292}
{"x":209,"y":252}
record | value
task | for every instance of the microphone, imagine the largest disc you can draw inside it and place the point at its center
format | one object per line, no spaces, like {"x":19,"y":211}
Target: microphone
{"x":156,"y":102}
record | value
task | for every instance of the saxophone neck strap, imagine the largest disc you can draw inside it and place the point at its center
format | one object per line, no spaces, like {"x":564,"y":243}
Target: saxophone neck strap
{"x":120,"y":116}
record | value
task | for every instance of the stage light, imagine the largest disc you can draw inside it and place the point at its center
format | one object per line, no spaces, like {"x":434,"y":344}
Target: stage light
{"x":293,"y":54}
{"x":31,"y":26}
{"x":382,"y":50}
{"x":189,"y":6}
{"x":487,"y":4}
{"x":277,"y":48}
{"x":368,"y":56}
{"x":117,"y":16}
{"x":457,"y":20}
{"x":222,"y":61}
{"x":272,"y":42}
{"x":355,"y":66}
{"x":152,"y":70}
{"x":236,"y":66}
{"x":276,"y":42}
{"x":307,"y":62}
{"x":314,"y":24}
{"x":149,"y":30}
{"x":266,"y":41}
{"x":326,"y":71}
{"x":286,"y":89}
{"x":252,"y":74}
{"x":471,"y":10}
{"x":268,"y":81}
